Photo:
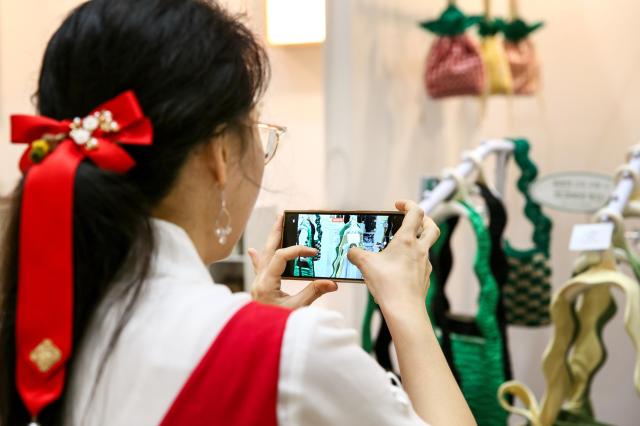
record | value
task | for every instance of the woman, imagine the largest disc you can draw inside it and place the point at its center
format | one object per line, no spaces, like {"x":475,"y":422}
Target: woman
{"x":109,"y":314}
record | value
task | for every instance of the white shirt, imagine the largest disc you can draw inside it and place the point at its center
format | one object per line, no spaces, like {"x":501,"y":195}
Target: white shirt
{"x":325,"y":378}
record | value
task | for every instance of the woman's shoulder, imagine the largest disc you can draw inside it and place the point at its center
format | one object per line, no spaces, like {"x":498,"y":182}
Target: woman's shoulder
{"x":326,"y":378}
{"x":186,"y":318}
{"x":168,"y":332}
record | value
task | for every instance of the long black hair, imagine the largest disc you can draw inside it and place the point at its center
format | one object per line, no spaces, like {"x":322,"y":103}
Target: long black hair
{"x":194,"y":68}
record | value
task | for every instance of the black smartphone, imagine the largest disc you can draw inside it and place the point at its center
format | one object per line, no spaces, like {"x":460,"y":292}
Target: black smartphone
{"x":333,"y":233}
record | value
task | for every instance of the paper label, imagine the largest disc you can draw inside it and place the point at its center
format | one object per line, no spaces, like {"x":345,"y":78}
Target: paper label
{"x":591,"y":237}
{"x":576,"y":192}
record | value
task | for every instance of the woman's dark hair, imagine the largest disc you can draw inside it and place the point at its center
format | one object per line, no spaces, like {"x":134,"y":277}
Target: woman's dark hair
{"x":194,"y":68}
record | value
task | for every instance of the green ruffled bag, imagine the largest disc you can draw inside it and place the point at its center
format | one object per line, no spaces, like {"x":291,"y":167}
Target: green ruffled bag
{"x":527,"y":293}
{"x":472,"y":345}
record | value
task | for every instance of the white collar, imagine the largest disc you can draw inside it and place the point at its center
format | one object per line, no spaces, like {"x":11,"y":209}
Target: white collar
{"x":176,"y":255}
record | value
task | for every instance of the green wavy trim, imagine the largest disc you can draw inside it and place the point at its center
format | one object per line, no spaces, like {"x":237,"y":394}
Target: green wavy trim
{"x":542,"y":224}
{"x":489,"y":27}
{"x":518,"y":29}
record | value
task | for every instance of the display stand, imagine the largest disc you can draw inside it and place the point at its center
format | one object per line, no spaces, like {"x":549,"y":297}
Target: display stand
{"x":627,"y":180}
{"x":446,"y":188}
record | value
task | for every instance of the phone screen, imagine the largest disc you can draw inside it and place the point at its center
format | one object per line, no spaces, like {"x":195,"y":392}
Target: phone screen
{"x":333,"y":234}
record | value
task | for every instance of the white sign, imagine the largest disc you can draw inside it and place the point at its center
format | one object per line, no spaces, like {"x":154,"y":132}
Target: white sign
{"x":577,"y":192}
{"x":595,"y":236}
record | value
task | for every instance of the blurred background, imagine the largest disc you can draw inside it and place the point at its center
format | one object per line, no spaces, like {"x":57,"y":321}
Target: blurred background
{"x":347,"y":81}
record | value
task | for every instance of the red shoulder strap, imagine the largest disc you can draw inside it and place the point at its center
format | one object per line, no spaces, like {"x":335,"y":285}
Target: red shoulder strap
{"x":236,"y":383}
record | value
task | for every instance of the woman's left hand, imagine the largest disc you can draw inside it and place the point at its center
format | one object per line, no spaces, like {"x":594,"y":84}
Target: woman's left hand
{"x":269,"y":267}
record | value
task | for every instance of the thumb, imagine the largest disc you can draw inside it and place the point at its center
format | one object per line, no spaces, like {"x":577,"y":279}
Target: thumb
{"x":357,"y":256}
{"x":310,"y":293}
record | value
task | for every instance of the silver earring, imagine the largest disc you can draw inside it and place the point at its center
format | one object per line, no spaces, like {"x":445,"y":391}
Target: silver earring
{"x":223,"y":222}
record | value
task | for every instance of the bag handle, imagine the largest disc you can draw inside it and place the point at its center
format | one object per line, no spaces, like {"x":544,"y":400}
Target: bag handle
{"x":531,"y":410}
{"x":513,"y":10}
{"x":488,"y":298}
{"x":588,"y":353}
{"x":533,"y":211}
{"x":367,"y":340}
{"x":554,"y":364}
{"x":487,"y":9}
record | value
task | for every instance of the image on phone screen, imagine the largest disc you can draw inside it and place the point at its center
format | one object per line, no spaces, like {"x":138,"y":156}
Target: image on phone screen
{"x":333,"y":234}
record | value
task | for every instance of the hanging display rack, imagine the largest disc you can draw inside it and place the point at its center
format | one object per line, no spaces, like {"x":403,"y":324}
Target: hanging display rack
{"x":447,"y":187}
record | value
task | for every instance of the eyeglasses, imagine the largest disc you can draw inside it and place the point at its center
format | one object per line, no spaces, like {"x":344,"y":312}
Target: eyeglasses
{"x":270,"y":135}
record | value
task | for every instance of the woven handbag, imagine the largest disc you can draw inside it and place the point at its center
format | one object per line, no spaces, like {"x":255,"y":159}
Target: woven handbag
{"x":521,"y":53}
{"x":473,"y":345}
{"x":589,"y":352}
{"x":498,"y":262}
{"x":497,"y":71}
{"x":527,"y":293}
{"x":454,"y":66}
{"x":576,"y":351}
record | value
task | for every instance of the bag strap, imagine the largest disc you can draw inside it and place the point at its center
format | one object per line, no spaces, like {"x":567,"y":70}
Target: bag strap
{"x":488,"y":25}
{"x":487,"y":9}
{"x":530,"y":409}
{"x":498,"y":261}
{"x":372,"y":307}
{"x":514,"y":13}
{"x":554,"y":365}
{"x":589,"y":352}
{"x":532,"y":210}
{"x":437,"y":302}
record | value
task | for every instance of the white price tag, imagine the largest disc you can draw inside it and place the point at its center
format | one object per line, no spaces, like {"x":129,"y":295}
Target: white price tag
{"x":591,"y":237}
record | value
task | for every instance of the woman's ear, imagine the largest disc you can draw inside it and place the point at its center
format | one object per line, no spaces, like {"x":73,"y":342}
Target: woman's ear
{"x":217,"y":158}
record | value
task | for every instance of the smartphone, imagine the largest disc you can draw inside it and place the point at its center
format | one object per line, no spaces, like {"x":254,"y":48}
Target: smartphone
{"x":333,"y":233}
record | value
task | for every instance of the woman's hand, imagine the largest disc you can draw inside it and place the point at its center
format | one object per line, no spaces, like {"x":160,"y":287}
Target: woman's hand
{"x":270,"y":265}
{"x":398,"y":277}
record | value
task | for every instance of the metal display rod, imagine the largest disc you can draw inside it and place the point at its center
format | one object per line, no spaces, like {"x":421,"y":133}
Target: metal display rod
{"x":431,"y":199}
{"x":626,"y":183}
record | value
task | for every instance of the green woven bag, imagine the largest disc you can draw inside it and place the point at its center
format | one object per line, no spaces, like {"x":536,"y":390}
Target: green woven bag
{"x":473,"y":345}
{"x":527,"y":292}
{"x":372,"y":307}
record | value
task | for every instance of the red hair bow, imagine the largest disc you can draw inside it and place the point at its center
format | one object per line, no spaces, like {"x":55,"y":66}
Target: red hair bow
{"x":44,"y":317}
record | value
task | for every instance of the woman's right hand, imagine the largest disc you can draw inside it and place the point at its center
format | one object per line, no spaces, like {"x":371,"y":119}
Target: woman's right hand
{"x":398,"y":276}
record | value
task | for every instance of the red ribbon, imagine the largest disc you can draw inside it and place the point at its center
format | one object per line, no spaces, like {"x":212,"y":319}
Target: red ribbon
{"x":44,"y":318}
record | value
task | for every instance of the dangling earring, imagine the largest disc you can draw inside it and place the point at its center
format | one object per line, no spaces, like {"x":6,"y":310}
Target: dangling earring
{"x":223,"y":222}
